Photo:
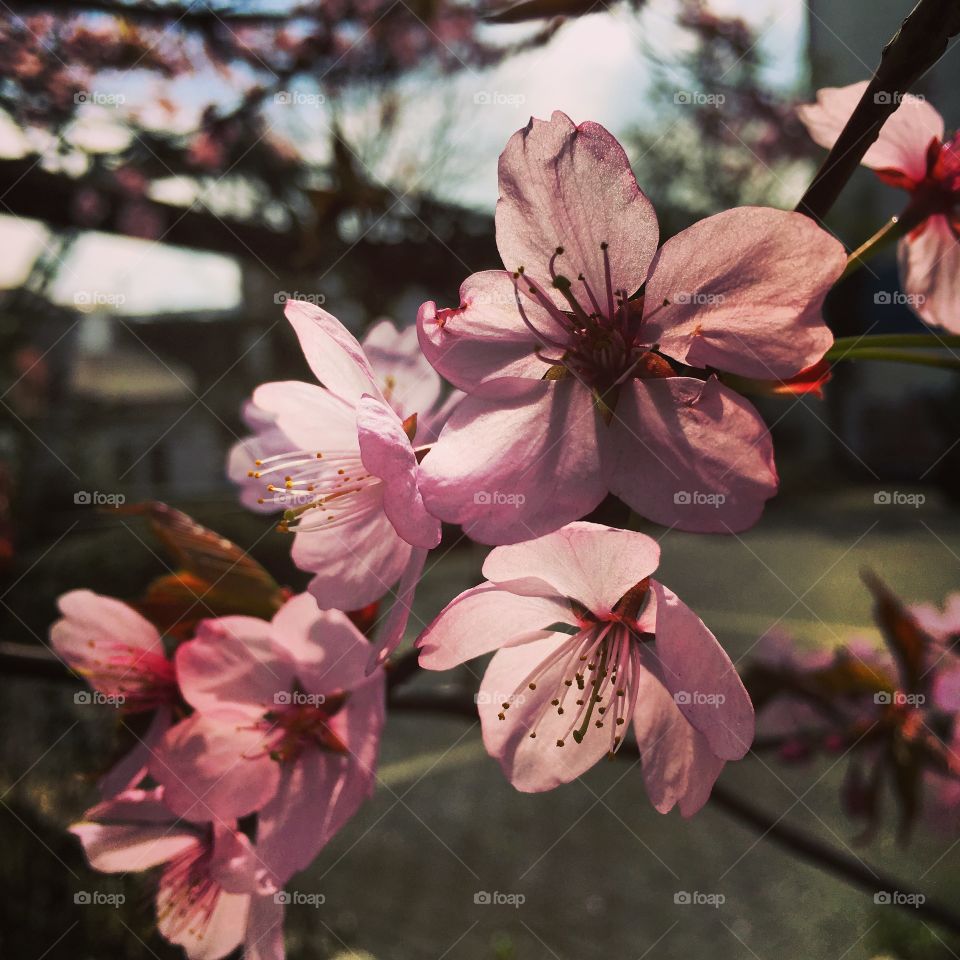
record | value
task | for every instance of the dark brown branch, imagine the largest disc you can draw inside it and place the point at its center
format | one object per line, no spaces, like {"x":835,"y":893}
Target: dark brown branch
{"x":919,"y":43}
{"x":808,"y":848}
{"x":443,"y":238}
{"x":186,"y":14}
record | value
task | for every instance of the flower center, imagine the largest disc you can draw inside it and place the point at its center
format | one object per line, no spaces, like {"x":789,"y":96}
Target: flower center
{"x":143,"y":679}
{"x":318,"y":490}
{"x":599,"y":670}
{"x":597,"y":337}
{"x":303,"y":724}
{"x":188,"y":895}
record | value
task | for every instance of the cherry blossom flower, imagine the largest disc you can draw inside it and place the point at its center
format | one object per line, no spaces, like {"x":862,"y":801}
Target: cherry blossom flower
{"x":912,"y":153}
{"x":340,"y":460}
{"x":586,"y":642}
{"x":943,"y":625}
{"x":121,"y":656}
{"x":858,"y":700}
{"x":287,"y":724}
{"x":210,"y":896}
{"x":577,"y":387}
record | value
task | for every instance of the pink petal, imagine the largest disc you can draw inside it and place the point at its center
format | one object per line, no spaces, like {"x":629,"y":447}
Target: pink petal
{"x":335,"y":357}
{"x":233,"y":863}
{"x":486,"y":618}
{"x":312,"y":417}
{"x":699,"y":674}
{"x":571,"y":186}
{"x":678,"y":445}
{"x":940,"y":625}
{"x":128,"y":772}
{"x":330,"y":653}
{"x":387,"y":453}
{"x":214,"y":770}
{"x":742,"y":291}
{"x":395,"y":626}
{"x":678,"y":766}
{"x":902,"y":144}
{"x":232,"y":670}
{"x":532,"y":765}
{"x":484,"y":338}
{"x":429,"y":426}
{"x":321,"y":791}
{"x":131,"y":832}
{"x":589,"y":562}
{"x":353,"y":563}
{"x":405,"y":377}
{"x":209,"y":930}
{"x":946,"y":689}
{"x":518,"y":465}
{"x":264,"y":939}
{"x":930,"y":272}
{"x":96,"y":629}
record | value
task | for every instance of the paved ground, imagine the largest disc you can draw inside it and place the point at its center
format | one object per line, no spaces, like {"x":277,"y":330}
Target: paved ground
{"x":597,"y":867}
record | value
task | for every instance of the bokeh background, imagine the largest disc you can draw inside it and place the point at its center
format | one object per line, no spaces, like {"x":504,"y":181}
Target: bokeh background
{"x":171,"y":172}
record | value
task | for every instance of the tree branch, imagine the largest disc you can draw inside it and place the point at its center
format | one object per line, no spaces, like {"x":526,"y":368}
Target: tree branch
{"x":20,"y":659}
{"x":188,"y":14}
{"x":919,"y":43}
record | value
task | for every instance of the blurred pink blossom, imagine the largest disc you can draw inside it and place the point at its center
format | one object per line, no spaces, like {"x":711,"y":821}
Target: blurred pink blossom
{"x":913,"y":154}
{"x":121,"y":656}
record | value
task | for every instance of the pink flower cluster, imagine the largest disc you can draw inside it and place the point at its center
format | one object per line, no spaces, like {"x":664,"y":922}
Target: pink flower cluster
{"x":284,"y":722}
{"x":893,"y":711}
{"x":594,"y":363}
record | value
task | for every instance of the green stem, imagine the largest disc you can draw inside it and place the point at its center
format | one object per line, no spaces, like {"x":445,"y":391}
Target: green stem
{"x":903,"y":356}
{"x":843,"y":346}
